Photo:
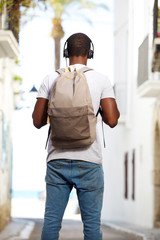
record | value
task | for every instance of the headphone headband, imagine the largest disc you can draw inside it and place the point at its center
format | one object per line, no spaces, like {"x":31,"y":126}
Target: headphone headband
{"x":90,"y":53}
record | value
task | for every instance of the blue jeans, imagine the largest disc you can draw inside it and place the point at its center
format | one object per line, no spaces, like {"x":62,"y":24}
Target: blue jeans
{"x":61,"y":177}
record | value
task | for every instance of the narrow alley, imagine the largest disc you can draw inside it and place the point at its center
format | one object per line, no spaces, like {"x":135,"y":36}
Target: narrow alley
{"x":125,"y":42}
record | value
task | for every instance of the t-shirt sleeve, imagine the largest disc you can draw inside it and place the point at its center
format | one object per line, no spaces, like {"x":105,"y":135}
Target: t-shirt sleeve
{"x":107,"y":91}
{"x":44,"y":89}
{"x":47,"y":85}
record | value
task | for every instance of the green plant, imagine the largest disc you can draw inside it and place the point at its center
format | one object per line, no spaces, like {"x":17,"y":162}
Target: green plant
{"x":17,"y":93}
{"x":18,"y":78}
{"x":15,"y":9}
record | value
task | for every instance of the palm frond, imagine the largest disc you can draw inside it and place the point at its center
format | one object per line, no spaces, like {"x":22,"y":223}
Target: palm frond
{"x":61,"y":6}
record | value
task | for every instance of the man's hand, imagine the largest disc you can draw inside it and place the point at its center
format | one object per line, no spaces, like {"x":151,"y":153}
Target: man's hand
{"x":40,"y":113}
{"x":110,"y":113}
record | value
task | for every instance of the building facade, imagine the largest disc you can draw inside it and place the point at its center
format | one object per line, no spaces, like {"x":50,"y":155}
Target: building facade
{"x":132,"y":157}
{"x":9,"y":50}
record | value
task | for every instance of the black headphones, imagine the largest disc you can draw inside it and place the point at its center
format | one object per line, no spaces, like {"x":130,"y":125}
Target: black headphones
{"x":90,"y":53}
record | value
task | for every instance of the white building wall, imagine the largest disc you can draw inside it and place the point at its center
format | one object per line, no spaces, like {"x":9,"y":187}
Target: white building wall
{"x":133,"y":22}
{"x":6,"y":110}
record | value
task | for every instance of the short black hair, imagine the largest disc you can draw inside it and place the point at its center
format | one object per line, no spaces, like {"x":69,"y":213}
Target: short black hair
{"x":78,"y":44}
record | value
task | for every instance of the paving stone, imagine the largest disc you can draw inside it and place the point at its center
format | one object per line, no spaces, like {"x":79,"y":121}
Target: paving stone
{"x":73,"y":230}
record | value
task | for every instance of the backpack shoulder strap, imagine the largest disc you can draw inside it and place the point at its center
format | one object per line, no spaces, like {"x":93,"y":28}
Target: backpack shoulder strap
{"x":85,"y":69}
{"x":82,"y":70}
{"x":60,"y":71}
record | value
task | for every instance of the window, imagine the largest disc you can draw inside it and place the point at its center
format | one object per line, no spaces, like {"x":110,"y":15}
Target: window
{"x":127,"y":166}
{"x":133,"y":175}
{"x":155,"y":18}
{"x":126,"y":176}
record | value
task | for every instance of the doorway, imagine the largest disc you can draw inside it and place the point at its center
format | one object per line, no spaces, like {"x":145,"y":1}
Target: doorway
{"x":156,"y":176}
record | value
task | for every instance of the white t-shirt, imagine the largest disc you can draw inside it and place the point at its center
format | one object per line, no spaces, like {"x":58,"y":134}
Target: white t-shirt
{"x":100,"y":87}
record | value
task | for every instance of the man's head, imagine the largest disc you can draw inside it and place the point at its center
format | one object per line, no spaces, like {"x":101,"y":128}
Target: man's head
{"x":78,"y":44}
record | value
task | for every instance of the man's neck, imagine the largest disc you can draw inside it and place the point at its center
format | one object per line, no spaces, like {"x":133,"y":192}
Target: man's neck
{"x":78,"y":60}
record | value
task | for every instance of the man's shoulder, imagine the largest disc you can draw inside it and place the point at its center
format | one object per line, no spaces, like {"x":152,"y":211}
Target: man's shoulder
{"x":97,"y":75}
{"x":49,"y":79}
{"x":53,"y":75}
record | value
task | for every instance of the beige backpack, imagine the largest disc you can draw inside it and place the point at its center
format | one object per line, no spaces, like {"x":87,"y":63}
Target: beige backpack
{"x":71,"y":114}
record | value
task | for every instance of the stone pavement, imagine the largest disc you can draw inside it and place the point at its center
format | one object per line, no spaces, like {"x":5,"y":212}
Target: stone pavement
{"x":27,"y":223}
{"x":26,"y":218}
{"x":30,"y":229}
{"x":72,"y":230}
{"x":17,"y":229}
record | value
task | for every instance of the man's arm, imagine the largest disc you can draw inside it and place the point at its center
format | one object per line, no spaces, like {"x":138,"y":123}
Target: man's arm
{"x":110,"y":113}
{"x":40,"y":113}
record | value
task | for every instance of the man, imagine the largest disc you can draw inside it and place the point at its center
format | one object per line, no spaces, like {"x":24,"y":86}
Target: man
{"x":80,"y":167}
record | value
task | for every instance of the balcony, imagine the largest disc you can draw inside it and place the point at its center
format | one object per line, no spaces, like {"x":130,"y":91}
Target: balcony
{"x":8,"y":44}
{"x":149,"y":86}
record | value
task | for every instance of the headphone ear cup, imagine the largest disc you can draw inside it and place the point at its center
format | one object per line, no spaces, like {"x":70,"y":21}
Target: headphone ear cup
{"x":90,"y":54}
{"x":65,"y":53}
